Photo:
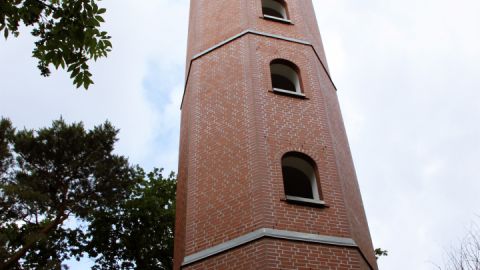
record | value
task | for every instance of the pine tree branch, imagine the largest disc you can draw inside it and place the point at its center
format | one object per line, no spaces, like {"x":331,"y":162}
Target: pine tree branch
{"x":44,"y":232}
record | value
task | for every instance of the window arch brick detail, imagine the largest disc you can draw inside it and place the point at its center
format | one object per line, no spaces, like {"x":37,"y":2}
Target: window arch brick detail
{"x":300,"y":176}
{"x":285,"y":76}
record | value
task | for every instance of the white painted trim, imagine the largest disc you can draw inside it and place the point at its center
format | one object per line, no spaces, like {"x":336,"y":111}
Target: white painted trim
{"x":249,"y":31}
{"x":228,"y":40}
{"x":305,"y":200}
{"x":269,"y":233}
{"x":276,"y":6}
{"x":288,"y":92}
{"x":279,"y":37}
{"x":273,"y":18}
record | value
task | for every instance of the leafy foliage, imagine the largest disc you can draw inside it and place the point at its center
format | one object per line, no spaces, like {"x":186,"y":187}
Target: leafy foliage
{"x":143,"y":232}
{"x":380,"y":252}
{"x":68,"y":33}
{"x":64,"y":194}
{"x":6,"y":132}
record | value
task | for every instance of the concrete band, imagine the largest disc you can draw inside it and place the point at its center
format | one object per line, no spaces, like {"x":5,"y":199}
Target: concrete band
{"x":269,"y":233}
{"x":248,"y":32}
{"x":254,"y":32}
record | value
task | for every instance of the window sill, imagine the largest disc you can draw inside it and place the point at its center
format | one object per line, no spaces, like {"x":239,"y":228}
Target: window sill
{"x":305,"y":201}
{"x":277,"y":19}
{"x":287,"y":92}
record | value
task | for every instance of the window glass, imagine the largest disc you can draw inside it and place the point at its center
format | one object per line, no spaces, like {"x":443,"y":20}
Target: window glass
{"x":299,"y":177}
{"x":284,"y":76}
{"x":274,"y":8}
{"x":296,"y":183}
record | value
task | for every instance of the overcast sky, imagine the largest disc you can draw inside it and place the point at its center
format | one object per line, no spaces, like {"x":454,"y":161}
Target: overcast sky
{"x":408,"y":81}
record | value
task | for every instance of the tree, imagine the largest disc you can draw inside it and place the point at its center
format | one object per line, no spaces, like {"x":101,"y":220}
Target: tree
{"x":141,"y":237}
{"x":64,"y":194}
{"x":467,"y":255}
{"x":67,"y":31}
{"x":380,"y":252}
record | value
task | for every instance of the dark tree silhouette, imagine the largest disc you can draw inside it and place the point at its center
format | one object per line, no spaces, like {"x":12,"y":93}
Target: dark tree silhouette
{"x":65,"y":194}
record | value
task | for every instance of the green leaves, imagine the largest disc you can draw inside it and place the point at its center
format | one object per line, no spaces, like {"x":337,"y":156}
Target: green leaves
{"x":65,"y":174}
{"x":59,"y":172}
{"x":140,"y":233}
{"x":6,"y":133}
{"x":380,"y":252}
{"x":68,"y":33}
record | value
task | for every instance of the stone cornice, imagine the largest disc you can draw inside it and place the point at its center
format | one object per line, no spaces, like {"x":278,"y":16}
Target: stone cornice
{"x":252,"y":32}
{"x":268,"y":233}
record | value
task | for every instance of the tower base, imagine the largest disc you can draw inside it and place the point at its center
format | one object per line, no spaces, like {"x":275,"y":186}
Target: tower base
{"x":273,"y":254}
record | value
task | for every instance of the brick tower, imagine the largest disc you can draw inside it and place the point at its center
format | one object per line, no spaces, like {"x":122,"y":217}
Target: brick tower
{"x":266,"y":179}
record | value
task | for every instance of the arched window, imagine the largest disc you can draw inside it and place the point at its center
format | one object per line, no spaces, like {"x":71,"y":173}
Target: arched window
{"x":275,"y":8}
{"x":285,"y":76}
{"x":299,"y":178}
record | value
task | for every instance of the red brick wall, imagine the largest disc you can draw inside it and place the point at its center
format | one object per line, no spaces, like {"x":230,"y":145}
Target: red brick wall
{"x":235,"y":130}
{"x":181,"y":195}
{"x":220,"y":184}
{"x":213,"y":21}
{"x":269,"y":254}
{"x":293,"y":124}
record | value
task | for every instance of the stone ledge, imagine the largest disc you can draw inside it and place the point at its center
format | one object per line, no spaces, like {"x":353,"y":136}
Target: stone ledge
{"x":268,"y":233}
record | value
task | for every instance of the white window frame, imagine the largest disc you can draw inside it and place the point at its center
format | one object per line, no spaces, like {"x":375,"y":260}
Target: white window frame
{"x":277,"y":6}
{"x":307,"y":168}
{"x":288,"y":72}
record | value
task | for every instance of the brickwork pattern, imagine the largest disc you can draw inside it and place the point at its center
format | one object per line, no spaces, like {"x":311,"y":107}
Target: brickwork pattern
{"x":213,"y":21}
{"x":269,"y":254}
{"x":235,"y":131}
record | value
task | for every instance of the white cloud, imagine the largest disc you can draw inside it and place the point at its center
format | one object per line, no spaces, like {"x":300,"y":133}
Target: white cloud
{"x":407,"y":78}
{"x":409,"y":71}
{"x":143,"y":105}
{"x":142,"y":35}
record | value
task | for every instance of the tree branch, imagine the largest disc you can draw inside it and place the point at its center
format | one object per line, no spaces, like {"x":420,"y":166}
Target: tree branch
{"x":44,"y":232}
{"x":46,"y":5}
